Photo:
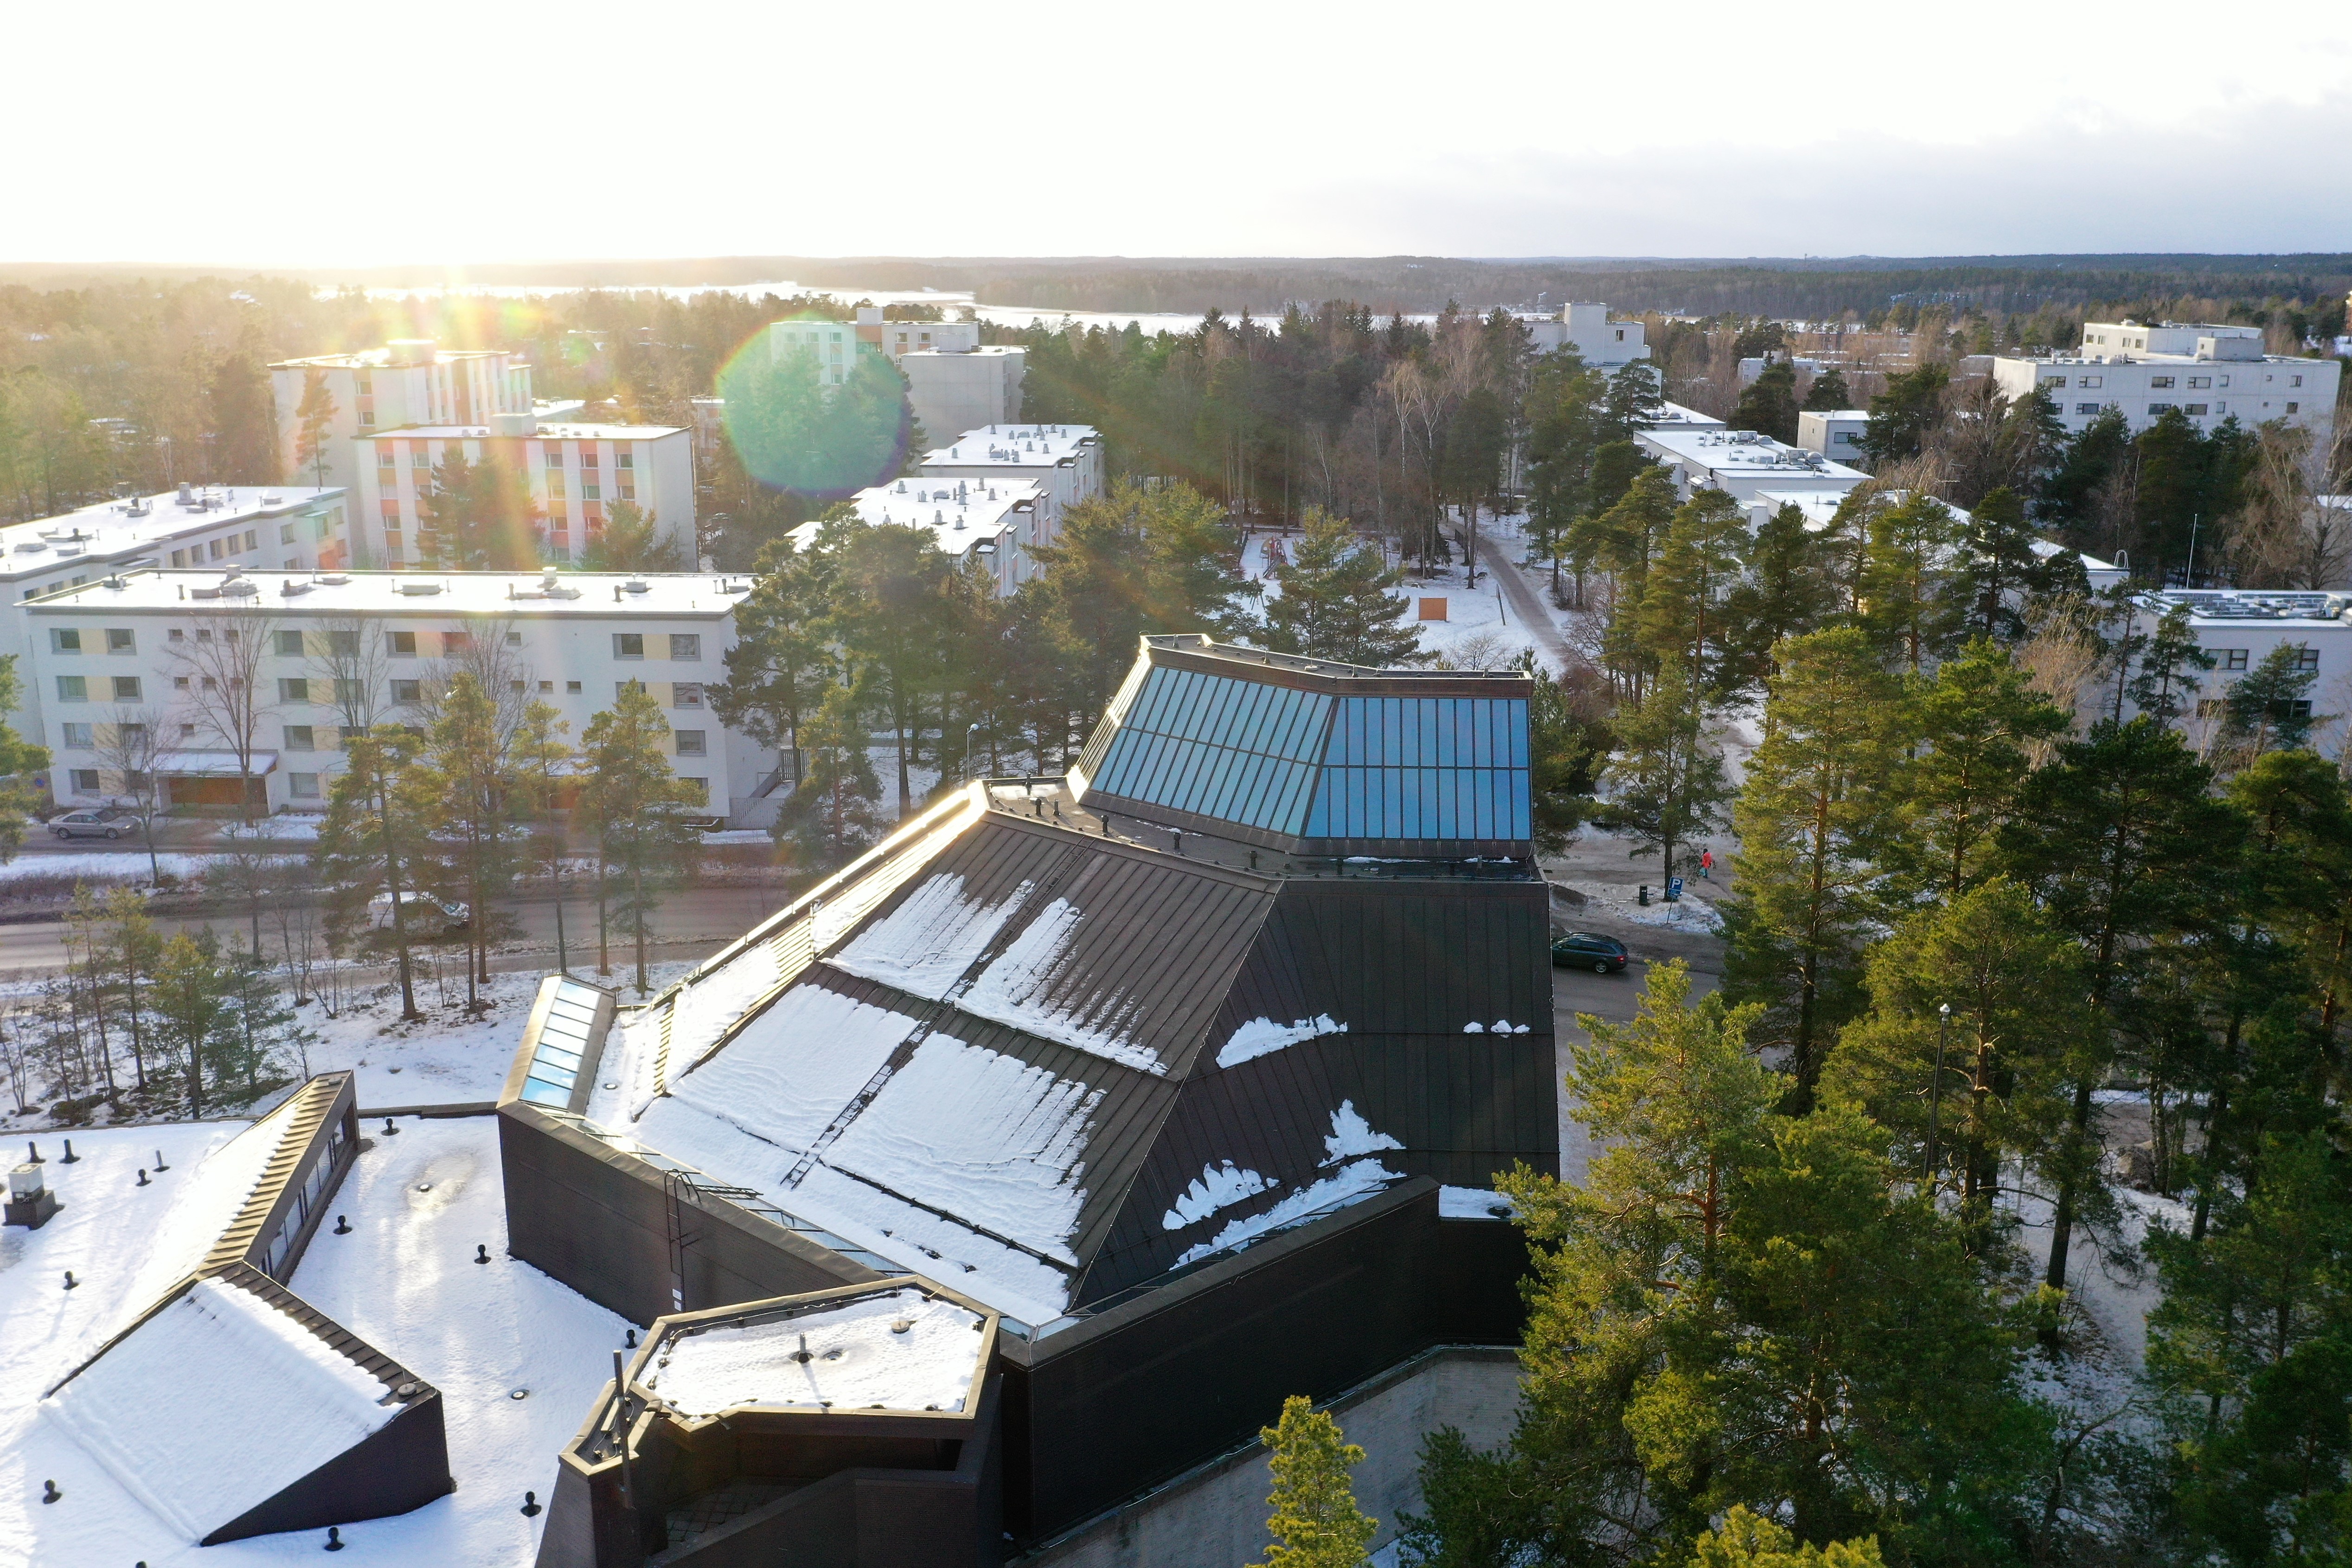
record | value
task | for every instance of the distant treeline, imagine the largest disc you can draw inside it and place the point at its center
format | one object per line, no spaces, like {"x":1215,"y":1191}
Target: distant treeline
{"x":1812,"y":288}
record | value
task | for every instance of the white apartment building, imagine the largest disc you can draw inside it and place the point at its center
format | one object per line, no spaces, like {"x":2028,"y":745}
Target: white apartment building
{"x":992,"y":521}
{"x":1743,"y":463}
{"x":411,"y":380}
{"x":135,"y":649}
{"x":1597,"y":340}
{"x":2209,"y":372}
{"x":1836,"y":433}
{"x":576,"y":472}
{"x":835,"y":345}
{"x":1676,"y":416}
{"x":1063,"y":461}
{"x":296,"y":527}
{"x":2240,"y":628}
{"x":963,"y":388}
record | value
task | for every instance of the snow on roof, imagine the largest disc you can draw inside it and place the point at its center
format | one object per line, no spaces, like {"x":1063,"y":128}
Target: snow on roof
{"x":1019,"y":989}
{"x":2221,"y":607}
{"x":1013,"y":447}
{"x":900,"y":1349}
{"x":926,"y":944}
{"x":445,"y":594}
{"x":107,"y":531}
{"x":215,"y":1405}
{"x":1745,"y":451}
{"x":960,"y":513}
{"x":569,"y":432}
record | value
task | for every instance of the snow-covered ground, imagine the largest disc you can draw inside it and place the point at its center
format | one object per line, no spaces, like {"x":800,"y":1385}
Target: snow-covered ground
{"x":404,"y":1279}
{"x":450,"y":1058}
{"x":104,"y":867}
{"x":1479,"y":632}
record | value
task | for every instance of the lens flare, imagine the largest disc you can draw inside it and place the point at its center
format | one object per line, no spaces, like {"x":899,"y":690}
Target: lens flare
{"x":817,"y":428}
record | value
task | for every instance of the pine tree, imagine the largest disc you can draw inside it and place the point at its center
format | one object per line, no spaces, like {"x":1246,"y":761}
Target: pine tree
{"x":467,"y":764}
{"x":481,"y":517}
{"x":890,"y":594}
{"x":1563,"y":751}
{"x":1315,"y":1522}
{"x":1902,"y":415}
{"x":1785,"y":592}
{"x":781,"y":661}
{"x":1666,"y":783}
{"x":1563,"y":416}
{"x":1625,"y":541}
{"x":1636,"y":392}
{"x":1683,"y":619}
{"x":1815,"y":821}
{"x":831,"y":815}
{"x":637,"y":805}
{"x":630,"y":540}
{"x":192,"y":1009}
{"x":543,"y":770}
{"x":2120,"y":841}
{"x":1999,"y":569}
{"x":2269,"y":707}
{"x":2166,"y":684}
{"x":1769,"y":405}
{"x":1900,"y":591}
{"x":21,"y":762}
{"x":1338,"y":600}
{"x":1747,"y":1541}
{"x":1828,"y":394}
{"x":313,"y":418}
{"x":1971,"y":728}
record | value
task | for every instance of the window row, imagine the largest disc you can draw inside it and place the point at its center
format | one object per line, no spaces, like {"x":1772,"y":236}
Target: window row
{"x":1486,"y":803}
{"x":1430,"y":732}
{"x":217,"y":549}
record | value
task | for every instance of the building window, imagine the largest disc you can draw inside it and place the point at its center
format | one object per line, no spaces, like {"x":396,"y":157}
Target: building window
{"x":514,"y":639}
{"x":252,"y":539}
{"x":289,"y":645}
{"x":179,"y":682}
{"x":2306,"y":659}
{"x":216,"y":547}
{"x":2294,"y":381}
{"x":119,"y":640}
{"x":2055,"y":382}
{"x":294,"y":690}
{"x":402,"y":644}
{"x":347,"y":733}
{"x":2196,"y":381}
{"x":303,"y":786}
{"x":366,"y":418}
{"x":126,"y":688}
{"x":300,"y":738}
{"x":64,"y":641}
{"x":628,"y":645}
{"x":686,"y":646}
{"x":286,"y":533}
{"x":547,"y":686}
{"x":2088,"y":380}
{"x":79,"y":735}
{"x":453,"y":642}
{"x":555,"y":487}
{"x":690,"y":743}
{"x":572,"y":689}
{"x":626,"y":460}
{"x":407,"y":691}
{"x":86,"y":782}
{"x":590,"y":492}
{"x":2233,"y":658}
{"x":186,"y":730}
{"x":555,"y":457}
{"x":2295,"y":408}
{"x":2155,"y":382}
{"x":2086,"y":408}
{"x":686,"y":693}
{"x":179,"y":558}
{"x":2157,"y":407}
{"x":588,"y":459}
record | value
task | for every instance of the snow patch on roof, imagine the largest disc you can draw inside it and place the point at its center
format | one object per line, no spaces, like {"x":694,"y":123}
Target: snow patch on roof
{"x":1014,"y":1282}
{"x":926,"y":944}
{"x":1216,"y":1187}
{"x":171,"y":1245}
{"x":215,"y":1405}
{"x":1263,"y":1037}
{"x":1473,"y":1203}
{"x":747,"y":1113}
{"x":986,"y":1137}
{"x":898,"y":1351}
{"x":1350,"y":1184}
{"x":1352,"y":1136}
{"x":707,"y":1006}
{"x":1015,"y":990}
{"x":1500,"y":1026}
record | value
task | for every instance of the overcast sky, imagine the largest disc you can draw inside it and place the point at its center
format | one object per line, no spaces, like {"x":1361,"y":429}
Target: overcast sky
{"x":271,"y":132}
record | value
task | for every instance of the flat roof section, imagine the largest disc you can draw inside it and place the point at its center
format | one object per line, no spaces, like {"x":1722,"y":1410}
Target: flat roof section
{"x":545,"y":433}
{"x":288,"y":594}
{"x":107,"y":530}
{"x":902,"y":1349}
{"x":1746,"y":453}
{"x":1014,"y":445}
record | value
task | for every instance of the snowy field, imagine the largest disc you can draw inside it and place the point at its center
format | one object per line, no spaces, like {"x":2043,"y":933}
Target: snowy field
{"x":403,"y":1279}
{"x":1479,"y":632}
{"x":450,"y":1058}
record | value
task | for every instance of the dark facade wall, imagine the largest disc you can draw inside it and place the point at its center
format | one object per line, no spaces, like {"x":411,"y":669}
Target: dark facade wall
{"x":599,"y":1220}
{"x":1156,"y":1385}
{"x":404,"y":1464}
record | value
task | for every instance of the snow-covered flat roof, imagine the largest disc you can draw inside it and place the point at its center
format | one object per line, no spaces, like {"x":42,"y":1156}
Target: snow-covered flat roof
{"x":1745,"y":451}
{"x":901,"y":1349}
{"x":1674,"y":415}
{"x":110,"y":530}
{"x":441,"y":594}
{"x":569,"y":432}
{"x":1014,"y":446}
{"x":961,"y":513}
{"x":2222,"y":607}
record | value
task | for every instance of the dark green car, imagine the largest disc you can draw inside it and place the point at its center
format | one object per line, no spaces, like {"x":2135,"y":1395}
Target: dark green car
{"x":1584,"y":950}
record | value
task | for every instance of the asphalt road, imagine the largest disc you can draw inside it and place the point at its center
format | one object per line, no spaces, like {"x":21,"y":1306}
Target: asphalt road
{"x":705,"y":916}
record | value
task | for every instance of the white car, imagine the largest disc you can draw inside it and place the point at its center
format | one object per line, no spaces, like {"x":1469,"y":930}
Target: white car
{"x":421,"y":912}
{"x":93,"y":823}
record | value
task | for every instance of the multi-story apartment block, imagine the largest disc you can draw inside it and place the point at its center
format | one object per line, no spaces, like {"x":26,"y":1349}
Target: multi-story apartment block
{"x":294,"y":527}
{"x":322,"y":654}
{"x":835,"y":344}
{"x":407,"y":381}
{"x":575,"y":472}
{"x":1063,"y":461}
{"x":953,"y":381}
{"x":1587,"y":330}
{"x":2210,"y":373}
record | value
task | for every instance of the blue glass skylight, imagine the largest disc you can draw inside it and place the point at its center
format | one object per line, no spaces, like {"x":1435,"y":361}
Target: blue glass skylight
{"x":1424,"y":767}
{"x":1241,"y":751}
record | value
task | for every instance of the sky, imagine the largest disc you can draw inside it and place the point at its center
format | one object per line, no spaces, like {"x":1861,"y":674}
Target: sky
{"x":305,"y":135}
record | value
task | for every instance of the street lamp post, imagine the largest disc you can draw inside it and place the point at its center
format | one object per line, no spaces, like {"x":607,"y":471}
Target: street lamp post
{"x":1935,"y":1090}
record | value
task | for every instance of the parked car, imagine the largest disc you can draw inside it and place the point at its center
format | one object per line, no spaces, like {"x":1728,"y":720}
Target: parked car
{"x":422,"y":912}
{"x":1586,"y":950}
{"x":91,"y":822}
